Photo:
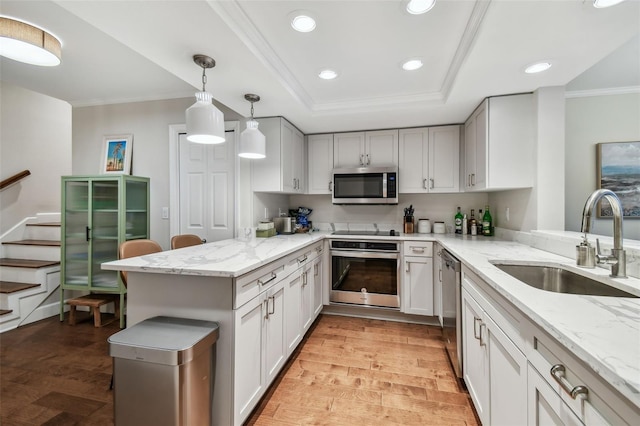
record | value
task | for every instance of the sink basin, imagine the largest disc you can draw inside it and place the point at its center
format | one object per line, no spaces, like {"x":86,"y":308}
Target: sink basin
{"x":559,"y":280}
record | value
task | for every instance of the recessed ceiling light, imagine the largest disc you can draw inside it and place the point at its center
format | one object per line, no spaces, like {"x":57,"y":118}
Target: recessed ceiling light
{"x":327,"y":74}
{"x":418,"y":7}
{"x":600,"y":4}
{"x":537,"y":67}
{"x":302,"y":22}
{"x":412,"y":64}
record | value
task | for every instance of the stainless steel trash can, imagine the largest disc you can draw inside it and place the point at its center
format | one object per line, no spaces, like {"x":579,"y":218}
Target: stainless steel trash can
{"x":164,"y":371}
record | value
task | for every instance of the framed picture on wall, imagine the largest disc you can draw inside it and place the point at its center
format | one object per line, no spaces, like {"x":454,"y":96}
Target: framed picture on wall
{"x":116,"y":154}
{"x":618,"y":169}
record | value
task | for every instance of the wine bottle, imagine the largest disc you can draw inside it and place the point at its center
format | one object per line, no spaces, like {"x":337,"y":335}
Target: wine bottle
{"x":487,"y":223}
{"x":479,"y":231}
{"x":458,"y":221}
{"x":473,"y":224}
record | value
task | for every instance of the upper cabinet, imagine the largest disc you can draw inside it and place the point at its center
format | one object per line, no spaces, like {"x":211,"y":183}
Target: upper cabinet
{"x":283,"y":170}
{"x":429,"y":159}
{"x":499,"y":140}
{"x":320,"y":149}
{"x":365,"y":149}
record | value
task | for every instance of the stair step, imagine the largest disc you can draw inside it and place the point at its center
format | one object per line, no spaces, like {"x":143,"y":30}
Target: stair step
{"x":27,"y":263}
{"x":12,"y":287}
{"x":5,"y":311}
{"x":47,"y":243}
{"x":45,"y":224}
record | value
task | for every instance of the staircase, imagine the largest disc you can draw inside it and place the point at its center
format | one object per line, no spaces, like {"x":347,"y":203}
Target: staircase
{"x":30,"y":272}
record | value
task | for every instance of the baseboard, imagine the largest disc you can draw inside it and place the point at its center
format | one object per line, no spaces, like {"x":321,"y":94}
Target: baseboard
{"x":379,"y":314}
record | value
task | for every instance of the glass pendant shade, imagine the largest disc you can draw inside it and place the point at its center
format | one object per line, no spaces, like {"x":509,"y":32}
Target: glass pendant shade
{"x":252,"y":142}
{"x":29,"y":44}
{"x":205,"y":122}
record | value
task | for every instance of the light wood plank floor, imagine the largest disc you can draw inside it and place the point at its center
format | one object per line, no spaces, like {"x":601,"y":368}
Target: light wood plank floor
{"x":347,"y":371}
{"x":352,"y":371}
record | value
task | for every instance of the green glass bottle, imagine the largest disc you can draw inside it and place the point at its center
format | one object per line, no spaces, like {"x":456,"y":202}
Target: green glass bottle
{"x":458,"y":221}
{"x":487,"y":223}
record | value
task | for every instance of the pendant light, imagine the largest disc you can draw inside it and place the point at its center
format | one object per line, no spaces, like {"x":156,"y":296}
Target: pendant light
{"x":27,"y":43}
{"x":252,"y":142}
{"x":205,"y":122}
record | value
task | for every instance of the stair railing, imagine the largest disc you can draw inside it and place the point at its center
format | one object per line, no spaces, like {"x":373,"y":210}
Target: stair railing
{"x":14,"y":179}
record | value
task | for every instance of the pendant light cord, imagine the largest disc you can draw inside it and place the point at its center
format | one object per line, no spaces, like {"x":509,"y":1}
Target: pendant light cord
{"x":204,"y":78}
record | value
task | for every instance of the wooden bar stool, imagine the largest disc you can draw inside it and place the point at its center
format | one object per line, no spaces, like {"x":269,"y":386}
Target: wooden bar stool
{"x":94,"y":301}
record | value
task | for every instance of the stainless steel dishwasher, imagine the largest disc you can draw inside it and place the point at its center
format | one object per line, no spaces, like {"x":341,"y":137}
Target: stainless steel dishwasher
{"x":451,"y":315}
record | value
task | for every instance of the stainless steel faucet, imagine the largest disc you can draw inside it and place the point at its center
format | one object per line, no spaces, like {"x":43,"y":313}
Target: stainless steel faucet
{"x":617,"y":258}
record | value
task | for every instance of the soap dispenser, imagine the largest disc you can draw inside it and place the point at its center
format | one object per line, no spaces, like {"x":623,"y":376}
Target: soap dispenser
{"x":585,"y":254}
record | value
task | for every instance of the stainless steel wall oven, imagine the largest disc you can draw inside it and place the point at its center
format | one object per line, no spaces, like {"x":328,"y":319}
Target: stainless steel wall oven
{"x":365,"y":273}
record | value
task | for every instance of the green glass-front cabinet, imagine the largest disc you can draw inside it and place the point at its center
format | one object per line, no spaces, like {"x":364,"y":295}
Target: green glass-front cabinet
{"x":99,"y":213}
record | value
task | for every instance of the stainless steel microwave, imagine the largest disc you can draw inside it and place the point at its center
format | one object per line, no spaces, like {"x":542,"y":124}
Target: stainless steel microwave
{"x":365,"y":185}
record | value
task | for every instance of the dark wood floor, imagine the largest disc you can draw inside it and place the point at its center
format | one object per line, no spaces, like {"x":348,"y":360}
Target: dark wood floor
{"x":347,"y":371}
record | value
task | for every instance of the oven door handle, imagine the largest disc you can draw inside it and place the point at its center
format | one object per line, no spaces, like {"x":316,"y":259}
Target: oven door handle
{"x":364,"y":254}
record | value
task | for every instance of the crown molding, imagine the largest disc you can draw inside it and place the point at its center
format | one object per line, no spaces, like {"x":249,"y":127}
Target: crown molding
{"x":602,"y":92}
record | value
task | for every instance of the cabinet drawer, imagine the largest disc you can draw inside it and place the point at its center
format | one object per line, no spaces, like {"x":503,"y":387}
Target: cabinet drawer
{"x":595,"y":402}
{"x":252,"y":284}
{"x":418,"y":248}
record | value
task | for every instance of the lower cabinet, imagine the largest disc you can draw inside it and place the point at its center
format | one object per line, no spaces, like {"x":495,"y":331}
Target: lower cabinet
{"x":416,"y":294}
{"x":495,"y":369}
{"x":259,"y":347}
{"x":270,"y":326}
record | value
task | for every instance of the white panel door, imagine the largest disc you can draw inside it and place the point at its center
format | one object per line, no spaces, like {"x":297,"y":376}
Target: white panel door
{"x":320,"y":162}
{"x":348,"y":149}
{"x":381,"y":148}
{"x":414,"y":159}
{"x":206,"y":189}
{"x":444,"y":159}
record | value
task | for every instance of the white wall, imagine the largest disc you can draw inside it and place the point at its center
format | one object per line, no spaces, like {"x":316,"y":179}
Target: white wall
{"x":591,"y":120}
{"x":35,"y":135}
{"x":149,"y":123}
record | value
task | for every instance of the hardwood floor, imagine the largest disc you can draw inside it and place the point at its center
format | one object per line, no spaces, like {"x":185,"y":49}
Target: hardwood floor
{"x":347,"y":371}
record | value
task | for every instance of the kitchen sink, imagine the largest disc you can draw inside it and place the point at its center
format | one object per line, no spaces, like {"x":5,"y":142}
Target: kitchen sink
{"x":559,"y":280}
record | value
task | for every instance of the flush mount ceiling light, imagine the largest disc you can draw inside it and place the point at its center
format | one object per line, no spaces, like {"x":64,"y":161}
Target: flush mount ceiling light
{"x":418,"y":7}
{"x":412,"y":64}
{"x":27,"y":43}
{"x":302,"y":21}
{"x":205,"y":122}
{"x":327,"y":74}
{"x":252,"y":141}
{"x":601,"y":4}
{"x":537,"y":67}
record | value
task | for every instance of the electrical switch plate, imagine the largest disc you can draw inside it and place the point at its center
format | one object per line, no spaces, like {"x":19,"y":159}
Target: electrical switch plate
{"x":165,"y":212}
{"x":507,"y":214}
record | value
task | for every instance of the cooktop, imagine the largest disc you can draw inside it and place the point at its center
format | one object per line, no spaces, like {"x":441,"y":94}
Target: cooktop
{"x":378,"y":232}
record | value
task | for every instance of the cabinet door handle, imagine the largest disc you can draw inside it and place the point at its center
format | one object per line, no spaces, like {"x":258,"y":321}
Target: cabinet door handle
{"x":440,"y":275}
{"x":473,"y":179}
{"x":482,"y":342}
{"x":417,"y":249}
{"x":476,"y":334}
{"x":304,"y":259}
{"x":266,"y":309}
{"x":468,"y":180}
{"x":362,"y":159}
{"x":368,"y":160}
{"x":330,"y":186}
{"x":273,"y":277}
{"x":273,"y":305}
{"x":424,"y":183}
{"x":315,"y":270}
{"x":304,"y":279}
{"x":431,"y":183}
{"x":557,"y":372}
{"x":88,"y":233}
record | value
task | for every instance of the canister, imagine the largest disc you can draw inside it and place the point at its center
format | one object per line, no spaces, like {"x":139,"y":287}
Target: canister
{"x":424,"y":226}
{"x":439,"y":228}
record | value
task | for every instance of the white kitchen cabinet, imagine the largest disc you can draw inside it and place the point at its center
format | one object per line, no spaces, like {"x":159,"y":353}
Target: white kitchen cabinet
{"x":495,"y":368}
{"x":554,"y":373}
{"x":283,"y":169}
{"x":429,"y":160}
{"x":417,"y":280}
{"x":259,"y":347}
{"x":318,"y":276}
{"x":365,"y":149}
{"x":499,"y":141}
{"x":320,"y":161}
{"x":293,"y":310}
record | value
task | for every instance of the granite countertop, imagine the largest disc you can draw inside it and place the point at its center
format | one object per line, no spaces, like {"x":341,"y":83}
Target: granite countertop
{"x":227,"y":258}
{"x":602,"y":331}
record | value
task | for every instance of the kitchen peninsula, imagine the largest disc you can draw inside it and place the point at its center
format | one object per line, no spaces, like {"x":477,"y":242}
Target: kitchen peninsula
{"x":245,"y":284}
